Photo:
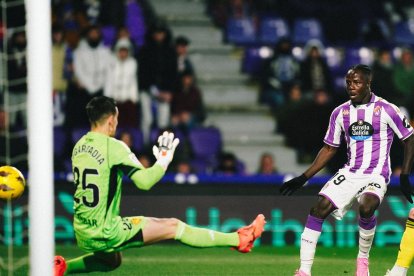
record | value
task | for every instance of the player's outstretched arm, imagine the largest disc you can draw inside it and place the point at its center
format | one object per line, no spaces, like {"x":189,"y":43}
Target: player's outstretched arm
{"x":405,"y":184}
{"x":164,"y":153}
{"x":324,"y":155}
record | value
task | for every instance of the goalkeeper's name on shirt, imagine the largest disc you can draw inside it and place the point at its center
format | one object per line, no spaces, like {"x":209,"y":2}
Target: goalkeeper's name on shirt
{"x":91,"y":151}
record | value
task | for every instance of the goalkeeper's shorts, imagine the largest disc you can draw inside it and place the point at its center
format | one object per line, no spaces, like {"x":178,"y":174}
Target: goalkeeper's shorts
{"x":121,"y":234}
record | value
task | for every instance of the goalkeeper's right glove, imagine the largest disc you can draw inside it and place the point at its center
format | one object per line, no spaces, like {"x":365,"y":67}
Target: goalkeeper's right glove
{"x":164,"y":153}
{"x":289,"y":187}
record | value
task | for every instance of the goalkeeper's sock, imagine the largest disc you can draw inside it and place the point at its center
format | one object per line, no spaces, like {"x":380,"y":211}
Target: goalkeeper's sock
{"x":406,"y":253}
{"x":200,"y":237}
{"x":309,"y":240}
{"x":366,"y":235}
{"x":88,"y":263}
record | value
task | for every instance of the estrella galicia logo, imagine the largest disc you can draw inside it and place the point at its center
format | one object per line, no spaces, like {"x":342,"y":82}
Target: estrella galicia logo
{"x":360,"y":130}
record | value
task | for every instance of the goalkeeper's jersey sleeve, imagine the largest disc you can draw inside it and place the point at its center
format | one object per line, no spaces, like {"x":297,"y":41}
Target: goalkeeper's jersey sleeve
{"x":99,"y":162}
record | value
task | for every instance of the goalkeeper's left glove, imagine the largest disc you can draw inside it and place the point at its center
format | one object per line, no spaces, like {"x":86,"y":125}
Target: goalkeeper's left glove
{"x":164,"y":153}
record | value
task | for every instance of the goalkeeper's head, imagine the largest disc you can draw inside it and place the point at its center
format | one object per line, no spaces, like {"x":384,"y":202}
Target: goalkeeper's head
{"x":103,"y":115}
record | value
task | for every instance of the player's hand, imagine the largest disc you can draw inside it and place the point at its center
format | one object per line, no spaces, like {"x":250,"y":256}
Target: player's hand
{"x":164,"y":152}
{"x":405,"y":187}
{"x":289,"y":187}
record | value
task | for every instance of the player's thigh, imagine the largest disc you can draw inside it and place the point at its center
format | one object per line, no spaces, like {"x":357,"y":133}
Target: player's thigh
{"x":158,"y":229}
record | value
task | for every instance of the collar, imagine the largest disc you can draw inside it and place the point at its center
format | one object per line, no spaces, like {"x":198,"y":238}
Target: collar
{"x":373,"y":99}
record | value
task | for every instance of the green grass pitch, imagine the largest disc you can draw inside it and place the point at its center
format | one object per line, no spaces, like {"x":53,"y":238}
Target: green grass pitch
{"x":171,"y":259}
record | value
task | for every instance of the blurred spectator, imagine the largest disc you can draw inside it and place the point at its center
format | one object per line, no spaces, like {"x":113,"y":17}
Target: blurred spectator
{"x":62,"y":70}
{"x":227,"y":164}
{"x":267,"y":164}
{"x":288,"y":115}
{"x":404,"y":79}
{"x":314,"y":71}
{"x":239,"y":8}
{"x":281,"y":71}
{"x":187,"y":108}
{"x":145,"y":160}
{"x":90,"y":60}
{"x":183,"y":166}
{"x":123,"y":33}
{"x":126,"y":137}
{"x":184,"y":64}
{"x":17,"y":73}
{"x":112,"y":13}
{"x":382,"y":76}
{"x":157,"y":74}
{"x":313,"y":127}
{"x":121,"y":83}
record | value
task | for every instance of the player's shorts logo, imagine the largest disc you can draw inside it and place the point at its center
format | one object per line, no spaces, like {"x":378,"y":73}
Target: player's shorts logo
{"x":360,"y":130}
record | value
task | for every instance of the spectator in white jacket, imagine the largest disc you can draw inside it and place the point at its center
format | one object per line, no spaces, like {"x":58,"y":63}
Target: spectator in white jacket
{"x":90,"y":61}
{"x":121,"y":83}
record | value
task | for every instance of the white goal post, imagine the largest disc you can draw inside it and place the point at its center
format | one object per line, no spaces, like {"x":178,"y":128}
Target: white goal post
{"x":40,"y":137}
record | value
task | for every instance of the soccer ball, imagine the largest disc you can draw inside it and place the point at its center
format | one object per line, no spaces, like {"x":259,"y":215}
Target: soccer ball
{"x":12,"y":183}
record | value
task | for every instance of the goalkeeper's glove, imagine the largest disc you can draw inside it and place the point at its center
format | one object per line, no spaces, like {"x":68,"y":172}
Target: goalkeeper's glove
{"x":164,"y":153}
{"x":405,"y":187}
{"x":289,"y":187}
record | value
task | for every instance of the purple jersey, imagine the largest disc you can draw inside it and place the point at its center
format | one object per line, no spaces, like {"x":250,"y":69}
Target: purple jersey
{"x":368,"y":130}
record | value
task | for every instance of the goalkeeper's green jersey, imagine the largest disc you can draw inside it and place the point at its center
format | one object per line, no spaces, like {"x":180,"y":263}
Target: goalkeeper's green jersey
{"x":99,"y":163}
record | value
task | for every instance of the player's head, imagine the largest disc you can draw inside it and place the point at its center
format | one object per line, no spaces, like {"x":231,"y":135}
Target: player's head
{"x":102,"y":112}
{"x":358,"y":82}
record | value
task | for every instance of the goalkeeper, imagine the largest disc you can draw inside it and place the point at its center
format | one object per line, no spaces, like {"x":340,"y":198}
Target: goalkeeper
{"x":99,"y":163}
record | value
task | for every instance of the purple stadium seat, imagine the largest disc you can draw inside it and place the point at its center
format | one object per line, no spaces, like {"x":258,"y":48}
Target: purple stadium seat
{"x":134,"y":21}
{"x":206,"y":145}
{"x":108,"y":35}
{"x":272,"y":29}
{"x":240,"y":31}
{"x":59,"y":141}
{"x":404,"y":32}
{"x":77,"y":133}
{"x":307,"y":29}
{"x":253,"y":60}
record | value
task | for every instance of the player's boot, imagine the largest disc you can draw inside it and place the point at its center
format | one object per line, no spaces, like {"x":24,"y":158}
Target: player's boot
{"x":60,"y":266}
{"x":362,"y":267}
{"x":299,"y":272}
{"x":248,"y":234}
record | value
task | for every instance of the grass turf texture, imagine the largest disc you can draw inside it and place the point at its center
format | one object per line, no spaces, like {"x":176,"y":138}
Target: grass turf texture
{"x":167,"y":259}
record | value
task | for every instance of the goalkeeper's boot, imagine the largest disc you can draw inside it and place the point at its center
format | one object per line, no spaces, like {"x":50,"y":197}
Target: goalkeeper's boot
{"x":248,"y":234}
{"x":362,"y":267}
{"x":299,"y":272}
{"x":60,"y":266}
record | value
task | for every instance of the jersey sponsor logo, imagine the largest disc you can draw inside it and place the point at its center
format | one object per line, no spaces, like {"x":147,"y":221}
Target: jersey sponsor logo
{"x":360,"y":130}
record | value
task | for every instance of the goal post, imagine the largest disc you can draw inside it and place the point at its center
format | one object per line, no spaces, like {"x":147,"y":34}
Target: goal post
{"x":40,"y":137}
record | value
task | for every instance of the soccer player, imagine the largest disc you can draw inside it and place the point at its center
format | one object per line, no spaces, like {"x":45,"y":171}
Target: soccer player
{"x":99,"y":163}
{"x":406,"y":252}
{"x":367,"y":123}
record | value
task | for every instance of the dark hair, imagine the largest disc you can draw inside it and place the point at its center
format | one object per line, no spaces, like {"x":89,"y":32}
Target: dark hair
{"x":100,"y":107}
{"x":364,"y":69}
{"x":182,"y":40}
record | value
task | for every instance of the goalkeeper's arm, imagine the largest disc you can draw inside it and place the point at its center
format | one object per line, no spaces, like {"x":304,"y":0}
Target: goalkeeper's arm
{"x":164,"y":153}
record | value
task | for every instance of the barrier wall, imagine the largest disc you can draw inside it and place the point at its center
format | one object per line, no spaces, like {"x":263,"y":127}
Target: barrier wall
{"x":224,"y":206}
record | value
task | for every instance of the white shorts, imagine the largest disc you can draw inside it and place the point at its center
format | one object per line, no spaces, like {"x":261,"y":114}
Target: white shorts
{"x":345,"y":187}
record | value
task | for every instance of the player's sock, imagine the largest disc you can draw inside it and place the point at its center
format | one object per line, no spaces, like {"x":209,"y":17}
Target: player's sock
{"x":406,"y":253}
{"x":308,"y":242}
{"x":87,"y":263}
{"x":200,"y":237}
{"x":398,"y":270}
{"x":366,"y":235}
